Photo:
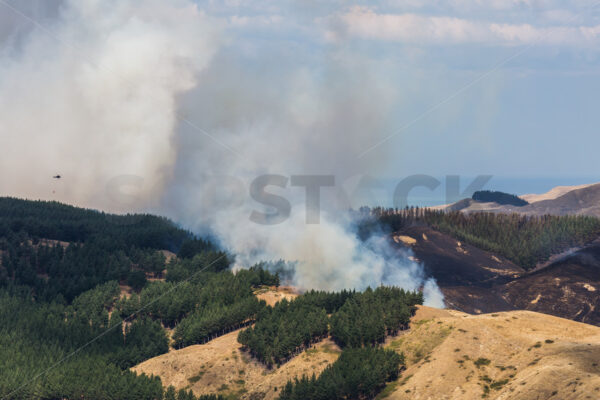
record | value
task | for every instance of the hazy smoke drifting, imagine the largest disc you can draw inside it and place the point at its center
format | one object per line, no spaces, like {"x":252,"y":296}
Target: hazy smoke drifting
{"x":93,"y":96}
{"x":97,"y":99}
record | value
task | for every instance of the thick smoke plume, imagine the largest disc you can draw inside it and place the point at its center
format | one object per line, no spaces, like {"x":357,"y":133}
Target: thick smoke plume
{"x":155,"y":106}
{"x":92,"y":96}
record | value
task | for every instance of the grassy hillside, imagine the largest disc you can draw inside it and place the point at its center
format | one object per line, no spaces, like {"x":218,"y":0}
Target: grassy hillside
{"x":222,"y":367}
{"x":447,"y":354}
{"x":509,"y":355}
{"x":70,"y":330}
{"x":85,"y":295}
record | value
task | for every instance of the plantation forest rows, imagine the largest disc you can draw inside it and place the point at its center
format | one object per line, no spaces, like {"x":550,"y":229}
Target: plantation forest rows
{"x":525,"y":240}
{"x":70,"y":332}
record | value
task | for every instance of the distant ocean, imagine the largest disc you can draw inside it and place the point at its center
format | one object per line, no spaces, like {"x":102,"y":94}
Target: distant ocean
{"x":383,"y":195}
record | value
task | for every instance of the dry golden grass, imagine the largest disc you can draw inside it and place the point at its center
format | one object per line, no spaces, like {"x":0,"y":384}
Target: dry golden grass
{"x":450,"y":355}
{"x":272,"y":295}
{"x":510,"y":355}
{"x":552,"y":194}
{"x":407,"y":240}
{"x":221,"y":367}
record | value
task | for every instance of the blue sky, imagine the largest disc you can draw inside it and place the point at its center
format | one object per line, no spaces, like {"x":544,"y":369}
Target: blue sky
{"x":392,"y":88}
{"x":533,"y":113}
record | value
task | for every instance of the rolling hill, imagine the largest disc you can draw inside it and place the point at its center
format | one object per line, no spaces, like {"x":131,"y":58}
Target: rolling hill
{"x":552,"y":193}
{"x":221,"y":367}
{"x":449,"y":355}
{"x":577,"y":200}
{"x":477,"y":281}
{"x":64,"y":269}
{"x":508,"y":355}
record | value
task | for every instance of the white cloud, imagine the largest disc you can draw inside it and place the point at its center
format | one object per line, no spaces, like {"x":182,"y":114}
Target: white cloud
{"x":365,"y":23}
{"x":489,"y":5}
{"x":259,"y":21}
{"x":496,"y":4}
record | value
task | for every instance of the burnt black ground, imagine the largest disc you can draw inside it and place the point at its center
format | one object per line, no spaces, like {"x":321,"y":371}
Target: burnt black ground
{"x":477,"y":281}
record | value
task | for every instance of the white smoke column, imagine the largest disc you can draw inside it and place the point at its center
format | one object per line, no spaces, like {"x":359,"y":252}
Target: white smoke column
{"x":92,"y":97}
{"x":433,"y":296}
{"x":289,"y":120}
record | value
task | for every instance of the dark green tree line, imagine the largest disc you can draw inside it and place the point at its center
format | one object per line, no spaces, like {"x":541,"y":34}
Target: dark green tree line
{"x":357,"y":319}
{"x":487,"y":196}
{"x":53,"y":220}
{"x":284,"y":330}
{"x":525,"y":240}
{"x":358,"y":373}
{"x":368,"y":317}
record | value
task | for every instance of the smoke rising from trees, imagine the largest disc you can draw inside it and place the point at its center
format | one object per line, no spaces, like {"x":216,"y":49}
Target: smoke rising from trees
{"x":155,"y":106}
